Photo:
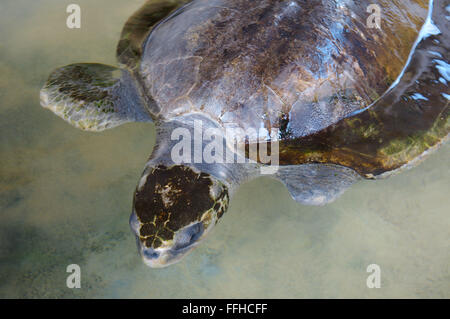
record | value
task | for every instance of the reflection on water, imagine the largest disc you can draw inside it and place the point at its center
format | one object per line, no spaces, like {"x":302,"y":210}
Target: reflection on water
{"x":65,"y":197}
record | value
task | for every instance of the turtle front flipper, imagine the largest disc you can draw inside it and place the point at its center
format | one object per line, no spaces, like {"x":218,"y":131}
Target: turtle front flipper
{"x":94,"y":97}
{"x":139,"y":26}
{"x":404,"y":125}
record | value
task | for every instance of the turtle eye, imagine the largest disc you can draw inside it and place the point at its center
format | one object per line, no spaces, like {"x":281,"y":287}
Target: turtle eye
{"x":189,"y":236}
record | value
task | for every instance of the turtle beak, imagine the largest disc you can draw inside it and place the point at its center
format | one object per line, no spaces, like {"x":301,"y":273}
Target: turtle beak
{"x":184,"y":242}
{"x":161,"y":258}
{"x":154,"y":258}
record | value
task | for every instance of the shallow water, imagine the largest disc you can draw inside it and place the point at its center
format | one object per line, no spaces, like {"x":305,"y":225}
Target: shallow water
{"x":65,"y":198}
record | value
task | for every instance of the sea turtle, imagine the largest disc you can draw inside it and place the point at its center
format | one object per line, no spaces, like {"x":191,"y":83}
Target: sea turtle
{"x":346,"y":97}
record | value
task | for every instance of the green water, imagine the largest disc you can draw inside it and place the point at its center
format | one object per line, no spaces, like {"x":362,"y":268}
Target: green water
{"x":65,"y":198}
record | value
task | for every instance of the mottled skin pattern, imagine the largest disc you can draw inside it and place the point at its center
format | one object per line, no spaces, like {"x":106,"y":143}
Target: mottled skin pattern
{"x":94,"y":97}
{"x":174,"y":198}
{"x":253,"y":63}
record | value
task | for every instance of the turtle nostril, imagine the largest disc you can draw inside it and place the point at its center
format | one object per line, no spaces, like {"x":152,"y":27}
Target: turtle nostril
{"x":150,"y":253}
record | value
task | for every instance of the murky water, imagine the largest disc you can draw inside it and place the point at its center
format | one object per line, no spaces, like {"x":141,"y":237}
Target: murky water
{"x":65,"y":198}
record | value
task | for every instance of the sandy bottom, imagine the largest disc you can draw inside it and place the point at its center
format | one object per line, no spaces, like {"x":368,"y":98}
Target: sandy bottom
{"x":65,"y":198}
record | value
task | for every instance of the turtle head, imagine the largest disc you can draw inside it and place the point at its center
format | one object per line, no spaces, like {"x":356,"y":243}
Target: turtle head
{"x":174,"y":209}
